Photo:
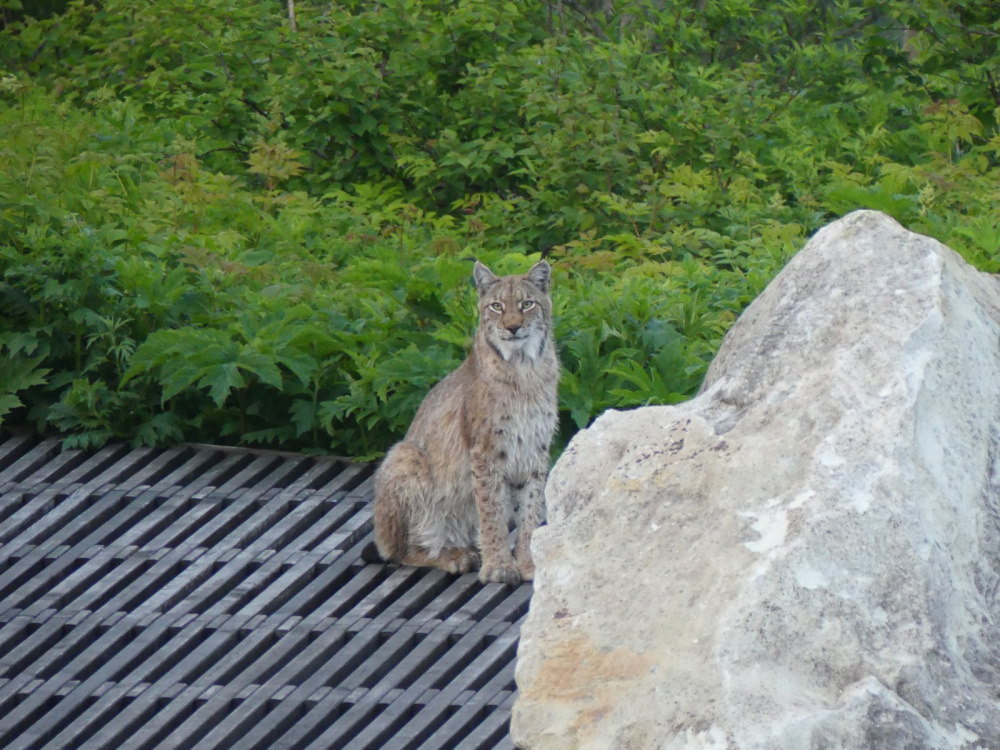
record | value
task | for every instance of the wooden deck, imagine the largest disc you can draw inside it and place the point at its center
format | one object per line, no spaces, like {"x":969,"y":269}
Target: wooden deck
{"x":208,"y":598}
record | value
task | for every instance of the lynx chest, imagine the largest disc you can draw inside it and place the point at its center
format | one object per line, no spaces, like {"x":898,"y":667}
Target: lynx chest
{"x":521,"y":427}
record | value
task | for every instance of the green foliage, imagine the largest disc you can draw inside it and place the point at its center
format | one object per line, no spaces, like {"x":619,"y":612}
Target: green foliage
{"x":215,"y":228}
{"x":17,"y":373}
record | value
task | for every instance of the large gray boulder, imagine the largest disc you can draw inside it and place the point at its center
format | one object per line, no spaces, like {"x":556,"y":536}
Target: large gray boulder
{"x":806,"y":555}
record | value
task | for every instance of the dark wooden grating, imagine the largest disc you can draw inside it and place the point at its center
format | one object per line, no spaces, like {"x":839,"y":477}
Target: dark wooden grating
{"x":205,"y":598}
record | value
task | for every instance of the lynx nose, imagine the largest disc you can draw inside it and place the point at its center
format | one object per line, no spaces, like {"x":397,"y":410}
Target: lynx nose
{"x":513,"y":328}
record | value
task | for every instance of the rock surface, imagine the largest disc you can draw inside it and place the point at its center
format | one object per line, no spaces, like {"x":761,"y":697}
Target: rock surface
{"x":806,"y":555}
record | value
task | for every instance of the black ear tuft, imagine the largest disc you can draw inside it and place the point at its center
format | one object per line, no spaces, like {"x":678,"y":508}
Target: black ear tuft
{"x":540,"y":275}
{"x":484,"y":277}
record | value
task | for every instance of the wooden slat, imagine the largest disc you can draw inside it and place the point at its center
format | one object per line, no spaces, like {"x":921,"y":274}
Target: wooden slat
{"x":201,"y":598}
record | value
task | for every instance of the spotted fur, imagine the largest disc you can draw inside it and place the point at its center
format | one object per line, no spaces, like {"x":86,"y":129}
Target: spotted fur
{"x":476,"y":455}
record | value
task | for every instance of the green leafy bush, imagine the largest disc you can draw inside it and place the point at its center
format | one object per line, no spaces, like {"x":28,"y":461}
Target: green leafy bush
{"x":215,"y":228}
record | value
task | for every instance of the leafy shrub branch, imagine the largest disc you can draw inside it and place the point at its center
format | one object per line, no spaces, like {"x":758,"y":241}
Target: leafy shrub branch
{"x":216,"y":228}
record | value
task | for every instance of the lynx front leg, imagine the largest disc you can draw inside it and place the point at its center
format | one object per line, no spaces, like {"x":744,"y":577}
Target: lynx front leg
{"x":531,"y":508}
{"x":497,"y":562}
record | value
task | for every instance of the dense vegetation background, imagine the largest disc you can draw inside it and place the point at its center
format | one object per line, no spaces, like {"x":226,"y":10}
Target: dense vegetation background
{"x":215,"y":226}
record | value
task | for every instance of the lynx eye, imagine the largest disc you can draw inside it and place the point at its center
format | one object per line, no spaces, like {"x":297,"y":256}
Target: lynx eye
{"x":527,"y":305}
{"x":496,"y":306}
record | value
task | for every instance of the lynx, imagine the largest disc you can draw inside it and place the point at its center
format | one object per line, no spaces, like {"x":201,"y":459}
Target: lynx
{"x":476,"y":455}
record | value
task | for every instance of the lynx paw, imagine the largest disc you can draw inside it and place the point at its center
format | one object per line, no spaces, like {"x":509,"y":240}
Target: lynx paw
{"x":507,"y":574}
{"x":527,"y":570}
{"x":459,"y":560}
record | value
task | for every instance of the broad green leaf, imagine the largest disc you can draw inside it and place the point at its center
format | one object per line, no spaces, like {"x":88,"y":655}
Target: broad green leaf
{"x":262,"y":365}
{"x":222,"y":380}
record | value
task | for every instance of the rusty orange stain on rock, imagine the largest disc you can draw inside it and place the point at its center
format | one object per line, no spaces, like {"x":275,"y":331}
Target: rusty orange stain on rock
{"x":574,"y":669}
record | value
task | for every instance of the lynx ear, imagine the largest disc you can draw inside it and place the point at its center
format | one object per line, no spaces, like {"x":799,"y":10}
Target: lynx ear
{"x":484,"y":277}
{"x":540,"y":275}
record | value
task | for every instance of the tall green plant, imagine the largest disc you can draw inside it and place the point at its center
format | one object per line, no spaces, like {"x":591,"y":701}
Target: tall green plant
{"x":215,"y":228}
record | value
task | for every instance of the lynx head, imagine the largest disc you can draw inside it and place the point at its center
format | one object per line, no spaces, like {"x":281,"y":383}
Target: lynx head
{"x":515,"y":312}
